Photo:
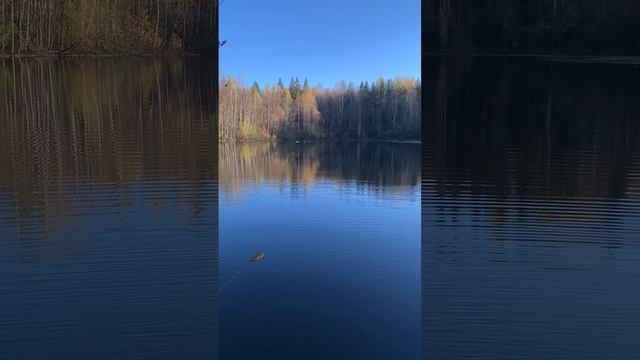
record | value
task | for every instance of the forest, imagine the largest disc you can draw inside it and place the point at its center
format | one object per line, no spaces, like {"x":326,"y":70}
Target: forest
{"x":55,"y":27}
{"x":533,"y":26}
{"x":384,"y":109}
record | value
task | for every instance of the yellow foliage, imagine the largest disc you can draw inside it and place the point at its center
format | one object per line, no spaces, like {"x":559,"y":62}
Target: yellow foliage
{"x":176,"y":42}
{"x":247,"y":130}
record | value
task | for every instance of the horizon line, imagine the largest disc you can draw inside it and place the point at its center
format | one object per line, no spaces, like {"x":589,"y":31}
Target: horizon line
{"x":243,"y":81}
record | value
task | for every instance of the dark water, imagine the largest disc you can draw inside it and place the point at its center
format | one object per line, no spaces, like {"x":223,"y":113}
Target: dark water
{"x":109,"y":220}
{"x":531,"y":210}
{"x":108,"y":209}
{"x":339,"y":226}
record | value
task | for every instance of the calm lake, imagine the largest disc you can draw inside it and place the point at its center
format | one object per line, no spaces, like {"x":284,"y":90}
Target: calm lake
{"x":109,"y":226}
{"x":339,"y":227}
{"x":108,"y":209}
{"x":127,"y":231}
{"x":531,"y":209}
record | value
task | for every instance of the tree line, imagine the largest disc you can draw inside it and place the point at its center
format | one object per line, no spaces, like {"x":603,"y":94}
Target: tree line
{"x":384,"y":109}
{"x":107,"y":26}
{"x":533,"y":26}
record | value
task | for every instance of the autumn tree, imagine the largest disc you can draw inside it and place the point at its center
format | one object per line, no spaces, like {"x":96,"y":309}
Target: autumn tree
{"x":106,"y":26}
{"x":390,"y":108}
{"x":533,"y":26}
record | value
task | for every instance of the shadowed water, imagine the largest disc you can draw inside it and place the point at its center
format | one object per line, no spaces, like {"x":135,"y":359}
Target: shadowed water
{"x":108,"y":209}
{"x":339,"y":227}
{"x":531,"y":210}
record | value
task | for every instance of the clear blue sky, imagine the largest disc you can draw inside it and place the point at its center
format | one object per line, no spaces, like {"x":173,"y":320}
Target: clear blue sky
{"x":321,"y":40}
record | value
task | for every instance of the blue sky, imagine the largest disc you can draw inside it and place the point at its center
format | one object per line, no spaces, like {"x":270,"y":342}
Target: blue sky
{"x":322,"y":40}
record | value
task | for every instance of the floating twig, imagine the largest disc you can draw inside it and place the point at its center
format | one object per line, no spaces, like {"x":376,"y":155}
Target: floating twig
{"x":255,"y":258}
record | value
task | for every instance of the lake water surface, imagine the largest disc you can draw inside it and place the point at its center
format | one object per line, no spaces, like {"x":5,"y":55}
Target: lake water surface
{"x":108,"y":209}
{"x":109,"y":226}
{"x":110,"y":229}
{"x":531,"y":209}
{"x":339,"y":226}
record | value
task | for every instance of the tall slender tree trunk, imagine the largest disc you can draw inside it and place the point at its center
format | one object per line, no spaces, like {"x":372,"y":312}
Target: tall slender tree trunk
{"x":28,"y":32}
{"x":50,"y":24}
{"x":13,"y":30}
{"x":4,"y":21}
{"x":158,"y":19}
{"x":395,"y":108}
{"x":554,"y":26}
{"x":91,"y":17}
{"x":184,"y":23}
{"x":20,"y":27}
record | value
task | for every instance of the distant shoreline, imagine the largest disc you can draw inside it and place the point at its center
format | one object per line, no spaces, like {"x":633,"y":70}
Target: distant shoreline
{"x":147,"y":55}
{"x":618,"y":59}
{"x":414,"y":141}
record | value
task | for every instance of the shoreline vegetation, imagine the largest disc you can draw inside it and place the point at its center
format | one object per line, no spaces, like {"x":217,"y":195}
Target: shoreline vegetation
{"x":531,"y":55}
{"x":567,"y":27}
{"x":336,"y":140}
{"x":387,"y":109}
{"x":49,"y":28}
{"x":115,"y":55}
{"x":159,"y":54}
{"x":558,"y":58}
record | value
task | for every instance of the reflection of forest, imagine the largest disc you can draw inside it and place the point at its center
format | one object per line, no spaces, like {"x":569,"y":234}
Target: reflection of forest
{"x":548,"y":140}
{"x":376,"y":166}
{"x":73,"y":128}
{"x":547,"y":129}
